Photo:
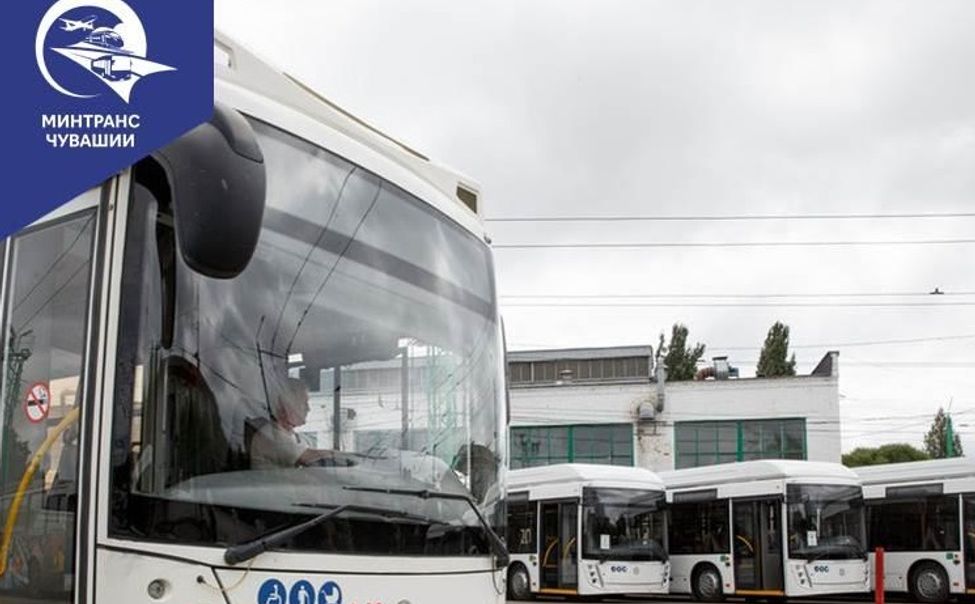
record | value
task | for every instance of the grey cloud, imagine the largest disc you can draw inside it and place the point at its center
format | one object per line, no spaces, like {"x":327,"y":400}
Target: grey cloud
{"x":562,"y":108}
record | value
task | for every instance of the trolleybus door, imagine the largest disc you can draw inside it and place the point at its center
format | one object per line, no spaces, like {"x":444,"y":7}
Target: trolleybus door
{"x":968,"y":539}
{"x":47,"y":271}
{"x":559,"y":545}
{"x":758,"y":544}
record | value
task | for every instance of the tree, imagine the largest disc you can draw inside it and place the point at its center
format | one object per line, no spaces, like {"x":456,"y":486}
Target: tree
{"x":936,"y":440}
{"x":679,"y":360}
{"x":772,"y":361}
{"x":893,"y":453}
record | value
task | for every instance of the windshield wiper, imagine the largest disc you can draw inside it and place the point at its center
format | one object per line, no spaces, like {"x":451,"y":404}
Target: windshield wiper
{"x":501,"y":555}
{"x":235,"y":554}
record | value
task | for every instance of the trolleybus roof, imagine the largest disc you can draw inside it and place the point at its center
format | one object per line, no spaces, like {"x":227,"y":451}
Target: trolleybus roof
{"x":575,"y":474}
{"x":242,"y":67}
{"x":759,"y":470}
{"x":957,"y":474}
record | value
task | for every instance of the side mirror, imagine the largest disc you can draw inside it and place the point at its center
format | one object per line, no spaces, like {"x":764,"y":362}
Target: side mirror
{"x":218,"y":183}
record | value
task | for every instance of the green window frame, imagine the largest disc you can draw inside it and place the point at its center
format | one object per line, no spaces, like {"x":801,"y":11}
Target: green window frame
{"x":703,"y":443}
{"x":609,"y":444}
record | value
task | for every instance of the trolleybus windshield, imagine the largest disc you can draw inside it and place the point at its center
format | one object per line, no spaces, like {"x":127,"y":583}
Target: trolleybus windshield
{"x":623,"y":524}
{"x":825,"y":522}
{"x":380,"y":305}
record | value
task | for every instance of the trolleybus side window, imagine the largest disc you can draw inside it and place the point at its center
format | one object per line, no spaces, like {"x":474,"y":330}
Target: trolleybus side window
{"x":522,"y":526}
{"x":699,"y":527}
{"x":381,"y":305}
{"x":914,"y":523}
{"x":44,"y":335}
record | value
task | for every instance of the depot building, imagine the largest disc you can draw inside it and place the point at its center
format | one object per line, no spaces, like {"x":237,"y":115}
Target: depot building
{"x":604,"y":405}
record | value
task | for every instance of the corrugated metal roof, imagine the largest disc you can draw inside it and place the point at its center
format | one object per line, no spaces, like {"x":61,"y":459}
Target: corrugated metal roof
{"x":827,"y":366}
{"x":577,"y":354}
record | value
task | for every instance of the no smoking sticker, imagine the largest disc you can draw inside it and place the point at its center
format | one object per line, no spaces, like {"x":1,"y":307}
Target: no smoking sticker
{"x":38,"y":403}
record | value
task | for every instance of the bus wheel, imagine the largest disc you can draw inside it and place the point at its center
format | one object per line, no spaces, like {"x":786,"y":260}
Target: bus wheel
{"x":519,"y":583}
{"x":929,"y":583}
{"x":707,"y":584}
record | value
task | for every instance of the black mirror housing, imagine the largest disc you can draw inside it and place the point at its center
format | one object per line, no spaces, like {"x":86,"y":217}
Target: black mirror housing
{"x":217,"y":178}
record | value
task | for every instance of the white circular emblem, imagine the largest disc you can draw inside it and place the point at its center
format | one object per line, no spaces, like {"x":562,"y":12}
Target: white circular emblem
{"x":102,"y":38}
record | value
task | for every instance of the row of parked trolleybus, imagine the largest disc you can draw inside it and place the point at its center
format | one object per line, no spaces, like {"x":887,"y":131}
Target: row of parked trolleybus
{"x":768,"y":528}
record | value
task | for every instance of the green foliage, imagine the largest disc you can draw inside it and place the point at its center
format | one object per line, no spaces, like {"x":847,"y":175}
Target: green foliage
{"x":894,"y":453}
{"x":936,"y":440}
{"x":772,"y":361}
{"x":679,"y":360}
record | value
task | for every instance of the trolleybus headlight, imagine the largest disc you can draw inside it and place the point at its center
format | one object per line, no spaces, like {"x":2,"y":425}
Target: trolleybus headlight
{"x":157,"y":589}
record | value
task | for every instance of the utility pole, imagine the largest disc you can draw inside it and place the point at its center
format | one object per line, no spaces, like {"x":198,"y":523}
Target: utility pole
{"x":949,"y":432}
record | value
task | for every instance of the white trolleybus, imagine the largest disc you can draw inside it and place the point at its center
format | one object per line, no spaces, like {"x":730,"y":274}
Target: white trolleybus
{"x":767,"y":528}
{"x":581,"y":529}
{"x":263,"y":365}
{"x":923,"y":515}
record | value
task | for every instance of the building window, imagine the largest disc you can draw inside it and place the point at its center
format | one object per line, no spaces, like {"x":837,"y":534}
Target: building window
{"x":544,"y":372}
{"x":610,"y":444}
{"x":520,"y":372}
{"x":582,"y":370}
{"x":713,"y":442}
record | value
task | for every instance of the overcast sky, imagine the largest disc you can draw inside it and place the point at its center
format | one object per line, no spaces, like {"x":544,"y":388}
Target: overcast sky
{"x":716,"y":108}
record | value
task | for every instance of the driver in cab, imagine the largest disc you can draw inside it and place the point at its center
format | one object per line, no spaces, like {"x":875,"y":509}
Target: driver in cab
{"x":277,"y":445}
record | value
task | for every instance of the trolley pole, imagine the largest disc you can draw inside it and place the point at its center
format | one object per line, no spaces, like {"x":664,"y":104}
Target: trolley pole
{"x":878,"y":576}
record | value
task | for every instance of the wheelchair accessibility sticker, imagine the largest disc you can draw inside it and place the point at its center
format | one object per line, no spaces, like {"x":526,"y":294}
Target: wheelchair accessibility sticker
{"x":274,"y":591}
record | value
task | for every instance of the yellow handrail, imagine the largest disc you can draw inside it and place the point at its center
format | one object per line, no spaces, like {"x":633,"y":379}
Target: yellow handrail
{"x":35,"y":462}
{"x":748,"y":544}
{"x":548,"y":551}
{"x":568,"y":546}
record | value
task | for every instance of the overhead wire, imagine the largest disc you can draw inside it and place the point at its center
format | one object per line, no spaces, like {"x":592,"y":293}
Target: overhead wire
{"x":744,"y":295}
{"x":82,"y":230}
{"x":860,"y":343}
{"x":78,"y":271}
{"x":811,"y":428}
{"x":731,"y":244}
{"x":328,"y":276}
{"x":527,"y":346}
{"x":737,"y":304}
{"x":311,"y":249}
{"x":732,"y":217}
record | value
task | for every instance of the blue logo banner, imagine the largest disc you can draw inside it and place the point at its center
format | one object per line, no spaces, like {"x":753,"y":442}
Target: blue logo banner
{"x":93,"y":86}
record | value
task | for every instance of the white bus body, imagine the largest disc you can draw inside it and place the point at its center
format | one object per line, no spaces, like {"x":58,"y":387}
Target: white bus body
{"x":923,"y":514}
{"x":796,"y":529}
{"x":157,"y":326}
{"x":582,"y":529}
